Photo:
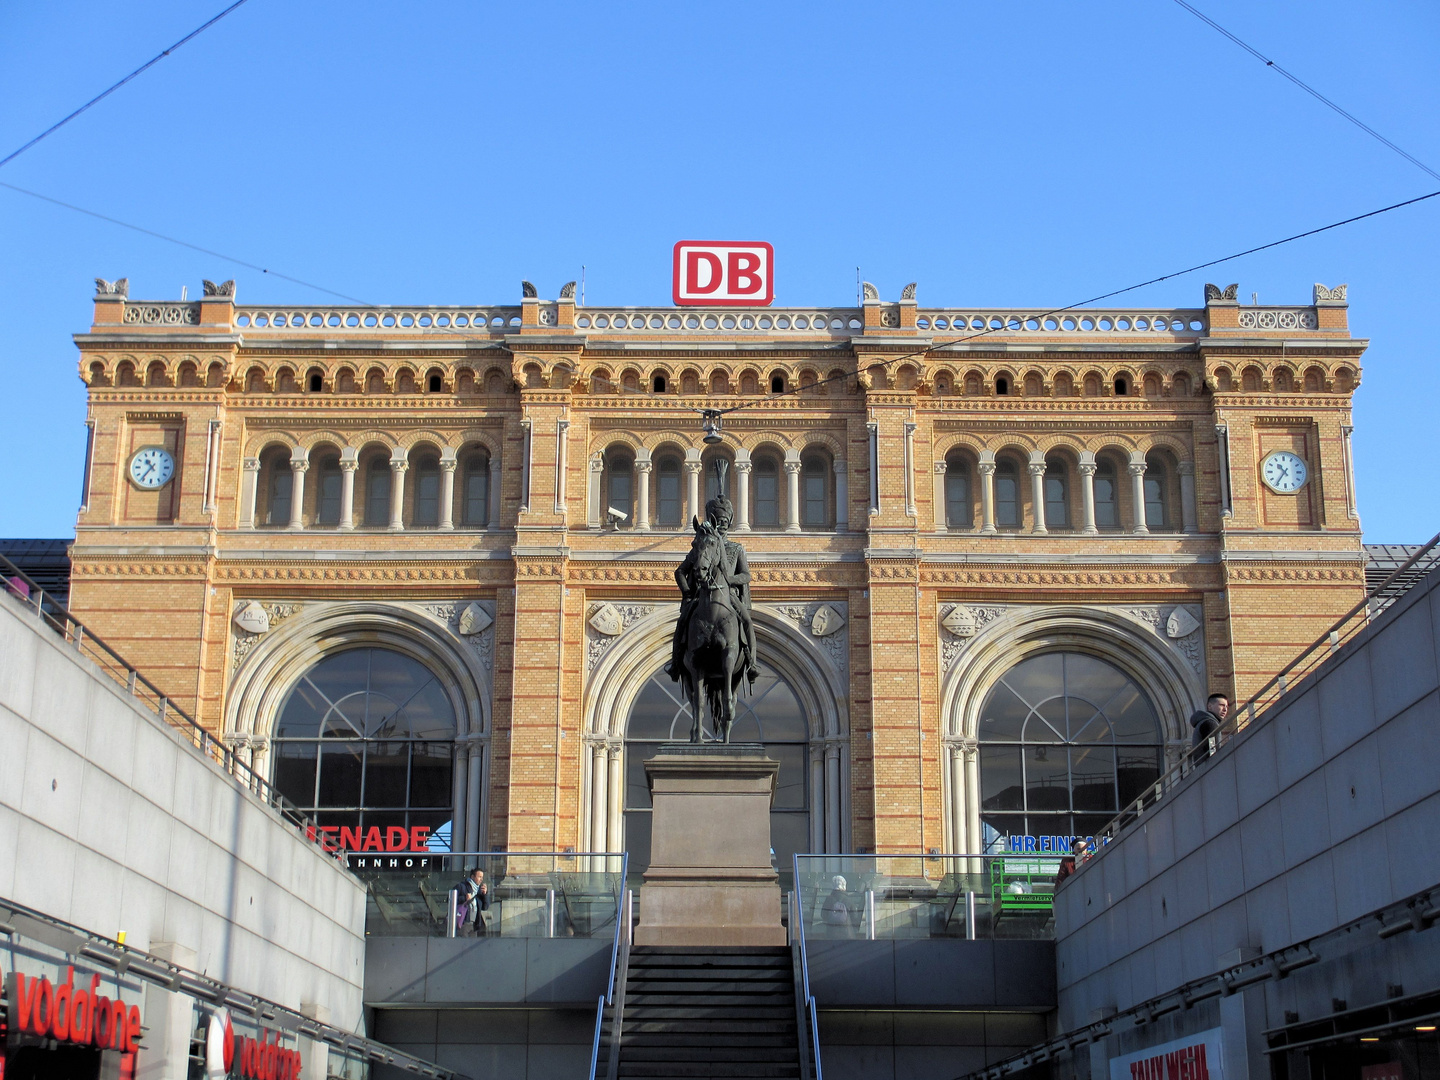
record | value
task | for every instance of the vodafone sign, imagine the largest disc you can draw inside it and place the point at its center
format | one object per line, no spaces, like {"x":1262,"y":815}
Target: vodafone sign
{"x":714,"y":273}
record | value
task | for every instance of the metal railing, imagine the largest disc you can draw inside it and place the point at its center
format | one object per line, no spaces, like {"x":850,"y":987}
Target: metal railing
{"x":614,"y":996}
{"x":94,"y":648}
{"x":805,"y":1004}
{"x":1310,"y":658}
{"x":80,"y":944}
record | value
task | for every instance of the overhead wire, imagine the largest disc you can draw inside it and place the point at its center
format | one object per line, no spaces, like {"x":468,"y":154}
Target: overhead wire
{"x":107,"y":92}
{"x":1303,"y":85}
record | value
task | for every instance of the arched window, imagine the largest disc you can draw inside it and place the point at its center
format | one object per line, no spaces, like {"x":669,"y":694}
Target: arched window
{"x":668,"y":497}
{"x":659,"y":384}
{"x":1066,"y":739}
{"x":959,"y":510}
{"x":328,"y":484}
{"x":814,"y":491}
{"x":475,"y":490}
{"x":1007,"y":495}
{"x":770,"y":713}
{"x":377,"y":492}
{"x":1157,"y":495}
{"x":1057,"y":494}
{"x":364,"y":740}
{"x":1002,"y":385}
{"x":279,"y":483}
{"x":1107,"y":510}
{"x":766,"y":493}
{"x":620,"y":487}
{"x":427,"y":491}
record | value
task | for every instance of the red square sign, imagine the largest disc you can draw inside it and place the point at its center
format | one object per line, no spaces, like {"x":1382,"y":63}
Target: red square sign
{"x":715,"y":273}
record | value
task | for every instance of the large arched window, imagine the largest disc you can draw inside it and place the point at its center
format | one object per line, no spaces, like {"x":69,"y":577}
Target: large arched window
{"x":279,"y":483}
{"x":620,"y":487}
{"x":959,"y":512}
{"x":1057,"y":493}
{"x":1007,"y":495}
{"x":1066,"y":739}
{"x":765,"y":496}
{"x":377,"y":492}
{"x":328,"y":485}
{"x":1158,"y":516}
{"x":770,"y":713}
{"x":427,"y":491}
{"x":365,"y":740}
{"x":815,"y":491}
{"x":1107,"y":508}
{"x":668,"y":496}
{"x":475,"y":491}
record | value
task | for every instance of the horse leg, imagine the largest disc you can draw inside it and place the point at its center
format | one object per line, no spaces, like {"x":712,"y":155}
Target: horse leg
{"x":692,"y":695}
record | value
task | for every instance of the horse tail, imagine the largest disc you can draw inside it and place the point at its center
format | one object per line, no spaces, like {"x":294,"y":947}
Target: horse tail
{"x":715,"y":700}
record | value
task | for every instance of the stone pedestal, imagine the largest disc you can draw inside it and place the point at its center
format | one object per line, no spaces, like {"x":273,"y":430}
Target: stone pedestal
{"x":710,"y":880}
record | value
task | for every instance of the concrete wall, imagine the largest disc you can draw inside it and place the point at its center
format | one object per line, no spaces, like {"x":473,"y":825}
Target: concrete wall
{"x":1327,"y":807}
{"x":492,"y":1044}
{"x":495,"y":971}
{"x":112,"y":820}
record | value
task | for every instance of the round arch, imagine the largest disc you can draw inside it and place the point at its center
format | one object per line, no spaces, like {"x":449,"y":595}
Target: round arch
{"x":642,"y":650}
{"x":283,"y":655}
{"x":1173,"y":688}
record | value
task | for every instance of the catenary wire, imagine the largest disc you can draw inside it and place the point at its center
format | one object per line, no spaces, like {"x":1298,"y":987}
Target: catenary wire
{"x":794,"y":390}
{"x":1094,"y":299}
{"x":1308,"y":89}
{"x":106,"y":93}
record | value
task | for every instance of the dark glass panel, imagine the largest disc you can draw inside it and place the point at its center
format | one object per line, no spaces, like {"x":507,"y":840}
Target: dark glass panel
{"x":815,"y":500}
{"x":434,"y":820}
{"x":1138,"y":768}
{"x":1155,"y":516}
{"x":1002,"y":717}
{"x":958,"y":512}
{"x":430,"y":714}
{"x":377,"y":493}
{"x":1047,"y":778}
{"x":1002,"y":826}
{"x":790,"y":784}
{"x":667,"y":492}
{"x":766,"y":492}
{"x":328,"y":500}
{"x":1132,"y":717}
{"x":1038,"y":678}
{"x":1106,"y":516}
{"x":386,"y":771}
{"x":476,"y":509}
{"x":427,"y":493}
{"x":340,"y":765}
{"x":622,"y":489}
{"x":281,"y":484}
{"x":1093,"y":778}
{"x":1000,"y":778}
{"x":301,"y":714}
{"x":637,"y":840}
{"x":637,"y":788}
{"x":656,"y":710}
{"x":385,"y":718}
{"x":430,"y":774}
{"x":773,"y":710}
{"x":1091,"y":678}
{"x":1047,"y":722}
{"x":346,"y":718}
{"x":1088,"y":825}
{"x":295,"y":771}
{"x":789,"y":836}
{"x":1057,"y":503}
{"x":1007,"y":497}
{"x":340,"y":674}
{"x":1087,"y":724}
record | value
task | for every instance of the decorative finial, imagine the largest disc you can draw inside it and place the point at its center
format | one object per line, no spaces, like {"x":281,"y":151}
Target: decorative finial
{"x":119,"y":287}
{"x":567,"y":291}
{"x":1214,"y":292}
{"x":225,"y":288}
{"x":1335,"y":295}
{"x":871,"y":293}
{"x":527,"y":290}
{"x":908,"y":293}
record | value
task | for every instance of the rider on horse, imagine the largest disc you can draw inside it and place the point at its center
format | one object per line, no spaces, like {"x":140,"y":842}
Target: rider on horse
{"x":718,"y":513}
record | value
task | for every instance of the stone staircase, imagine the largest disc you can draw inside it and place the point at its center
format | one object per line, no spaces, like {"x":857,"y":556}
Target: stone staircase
{"x":708,"y":1012}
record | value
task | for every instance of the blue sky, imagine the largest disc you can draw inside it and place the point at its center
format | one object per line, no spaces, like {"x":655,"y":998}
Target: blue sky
{"x":1005,"y":154}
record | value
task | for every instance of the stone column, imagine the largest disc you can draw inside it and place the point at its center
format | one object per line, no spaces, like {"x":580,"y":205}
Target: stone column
{"x":298,"y":465}
{"x":348,"y":465}
{"x":833,"y":831}
{"x":527,"y":431}
{"x":642,"y":493}
{"x":818,"y":801}
{"x":742,"y":491}
{"x":595,"y":513}
{"x":1188,"y":515}
{"x":973,"y":833}
{"x":842,"y":497}
{"x":614,"y":801}
{"x":942,"y":507}
{"x":459,"y":793}
{"x":1137,"y":492}
{"x":169,"y":1021}
{"x":475,"y":800}
{"x":398,"y":466}
{"x":910,"y":470}
{"x":599,"y":796}
{"x":960,"y":827}
{"x":562,"y":459}
{"x":986,"y":469}
{"x":1087,"y":468}
{"x":792,"y":491}
{"x":492,"y":518}
{"x":447,"y":488}
{"x":249,"y":483}
{"x":692,"y":488}
{"x":1037,"y":491}
{"x":314,"y":1053}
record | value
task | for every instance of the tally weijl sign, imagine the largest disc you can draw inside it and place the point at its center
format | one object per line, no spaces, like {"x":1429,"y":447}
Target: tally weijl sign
{"x":1195,"y":1057}
{"x":718,"y":273}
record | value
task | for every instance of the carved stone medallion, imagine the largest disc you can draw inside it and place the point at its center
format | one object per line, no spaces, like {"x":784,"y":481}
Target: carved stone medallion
{"x":474,"y":620}
{"x":253,"y":618}
{"x":826,"y":621}
{"x":606,"y":619}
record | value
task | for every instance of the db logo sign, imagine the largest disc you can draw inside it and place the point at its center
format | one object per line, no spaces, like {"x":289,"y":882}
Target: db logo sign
{"x":715,"y":274}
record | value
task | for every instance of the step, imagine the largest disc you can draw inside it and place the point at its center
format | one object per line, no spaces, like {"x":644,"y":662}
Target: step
{"x":782,"y":1039}
{"x":681,"y":1070}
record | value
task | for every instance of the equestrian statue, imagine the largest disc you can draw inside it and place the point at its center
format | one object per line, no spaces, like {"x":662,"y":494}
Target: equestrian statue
{"x":714,"y":643}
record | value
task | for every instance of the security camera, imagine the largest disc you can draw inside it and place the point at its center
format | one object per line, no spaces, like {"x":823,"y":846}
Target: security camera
{"x":616,"y":516}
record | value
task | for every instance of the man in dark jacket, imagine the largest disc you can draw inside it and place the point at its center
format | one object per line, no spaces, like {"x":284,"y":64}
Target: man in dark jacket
{"x":1206,"y":723}
{"x":473,"y":904}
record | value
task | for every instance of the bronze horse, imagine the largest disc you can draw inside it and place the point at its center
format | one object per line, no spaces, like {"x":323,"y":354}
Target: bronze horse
{"x":712,"y":656}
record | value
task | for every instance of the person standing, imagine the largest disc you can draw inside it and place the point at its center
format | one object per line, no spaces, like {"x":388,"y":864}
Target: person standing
{"x":1207,"y":722}
{"x":472,"y":908}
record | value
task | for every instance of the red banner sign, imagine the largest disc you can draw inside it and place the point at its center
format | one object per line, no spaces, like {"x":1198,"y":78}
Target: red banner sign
{"x":70,"y":1015}
{"x":391,"y":838}
{"x":717,"y":273}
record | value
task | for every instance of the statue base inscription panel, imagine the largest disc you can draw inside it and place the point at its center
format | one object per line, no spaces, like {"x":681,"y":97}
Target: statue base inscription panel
{"x":711,"y":881}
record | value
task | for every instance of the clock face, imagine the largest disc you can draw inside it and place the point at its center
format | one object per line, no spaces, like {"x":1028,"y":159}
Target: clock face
{"x":151,"y":467}
{"x":1284,"y":472}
